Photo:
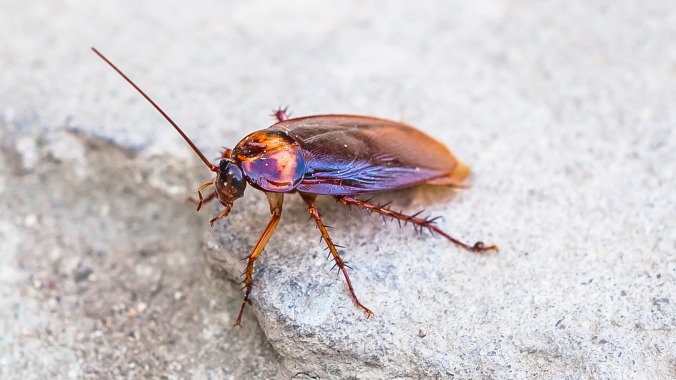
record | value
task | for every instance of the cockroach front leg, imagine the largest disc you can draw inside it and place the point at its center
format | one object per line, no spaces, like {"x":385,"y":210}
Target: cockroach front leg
{"x":201,"y":201}
{"x":275,"y":200}
{"x":314,"y":213}
{"x":478,"y":247}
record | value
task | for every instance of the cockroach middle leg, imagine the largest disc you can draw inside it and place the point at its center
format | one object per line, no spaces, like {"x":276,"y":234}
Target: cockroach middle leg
{"x":226,"y":153}
{"x":275,"y":200}
{"x":314,"y":213}
{"x":420,"y":222}
{"x":281,"y":114}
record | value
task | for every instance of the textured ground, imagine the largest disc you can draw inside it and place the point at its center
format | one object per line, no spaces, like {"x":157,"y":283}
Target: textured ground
{"x":565,"y":112}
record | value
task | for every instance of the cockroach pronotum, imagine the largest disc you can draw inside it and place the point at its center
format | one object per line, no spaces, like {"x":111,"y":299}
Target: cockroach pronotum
{"x":343,"y":156}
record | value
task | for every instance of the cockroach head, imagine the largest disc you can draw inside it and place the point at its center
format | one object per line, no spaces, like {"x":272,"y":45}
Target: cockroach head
{"x":230,"y":183}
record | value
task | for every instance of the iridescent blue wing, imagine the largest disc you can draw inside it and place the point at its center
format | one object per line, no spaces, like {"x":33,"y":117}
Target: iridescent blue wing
{"x":347,"y":155}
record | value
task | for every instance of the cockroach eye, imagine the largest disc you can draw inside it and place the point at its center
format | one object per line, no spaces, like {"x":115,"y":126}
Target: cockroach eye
{"x":231,"y":182}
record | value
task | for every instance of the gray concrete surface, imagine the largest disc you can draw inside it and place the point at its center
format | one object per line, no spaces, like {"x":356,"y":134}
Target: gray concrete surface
{"x":565,"y":112}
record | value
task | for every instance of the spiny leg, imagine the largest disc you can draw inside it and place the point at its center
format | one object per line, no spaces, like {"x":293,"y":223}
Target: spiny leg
{"x":275,"y":200}
{"x":421,"y":222}
{"x":226,"y":153}
{"x":281,"y":114}
{"x":314,"y":213}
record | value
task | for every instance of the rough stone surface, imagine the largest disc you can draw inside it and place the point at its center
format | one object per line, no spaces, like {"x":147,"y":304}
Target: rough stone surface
{"x":564,"y":111}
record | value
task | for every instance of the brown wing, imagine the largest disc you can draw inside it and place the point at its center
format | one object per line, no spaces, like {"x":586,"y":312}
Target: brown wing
{"x":346,"y":154}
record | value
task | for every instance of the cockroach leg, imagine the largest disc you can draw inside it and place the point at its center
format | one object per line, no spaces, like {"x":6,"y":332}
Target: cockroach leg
{"x":281,"y":114}
{"x":416,"y":221}
{"x":224,"y":213}
{"x":275,"y":200}
{"x":314,"y":213}
{"x":209,"y":197}
{"x":227,"y":153}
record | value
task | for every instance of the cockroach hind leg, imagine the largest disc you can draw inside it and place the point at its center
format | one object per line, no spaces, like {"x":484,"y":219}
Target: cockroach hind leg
{"x":480,"y":247}
{"x":419,"y":223}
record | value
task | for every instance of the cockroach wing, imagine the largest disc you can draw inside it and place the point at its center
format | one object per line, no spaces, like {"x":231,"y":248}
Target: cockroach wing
{"x":346,"y":155}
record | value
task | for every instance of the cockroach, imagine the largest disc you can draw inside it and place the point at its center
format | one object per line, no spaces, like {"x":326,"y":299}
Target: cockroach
{"x":343,"y":156}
